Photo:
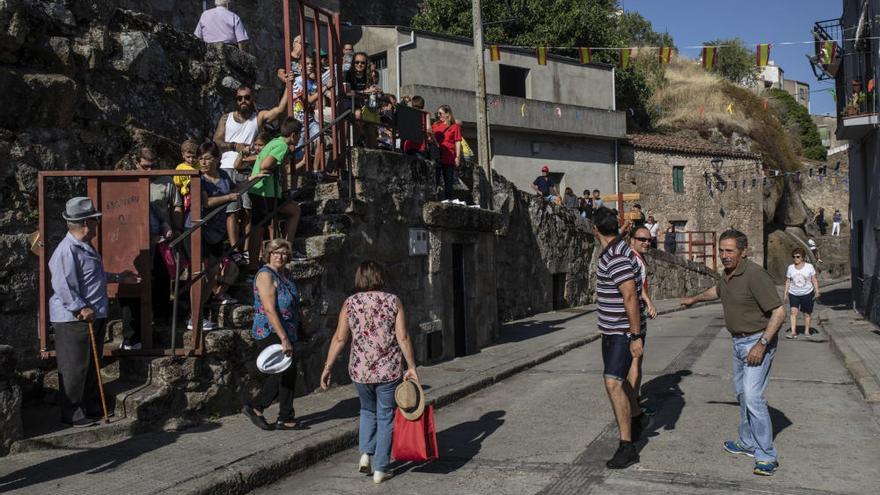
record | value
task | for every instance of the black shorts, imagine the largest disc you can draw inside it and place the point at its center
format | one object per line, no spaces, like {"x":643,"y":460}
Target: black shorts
{"x":616,"y":356}
{"x":803,"y":303}
{"x":261,"y":208}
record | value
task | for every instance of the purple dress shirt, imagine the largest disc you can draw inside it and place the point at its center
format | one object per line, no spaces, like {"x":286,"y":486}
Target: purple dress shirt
{"x":220,"y":25}
{"x":78,"y":280}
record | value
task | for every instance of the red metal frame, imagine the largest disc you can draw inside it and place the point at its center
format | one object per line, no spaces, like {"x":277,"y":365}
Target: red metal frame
{"x":101,"y":185}
{"x":696,"y":245}
{"x":333,"y":25}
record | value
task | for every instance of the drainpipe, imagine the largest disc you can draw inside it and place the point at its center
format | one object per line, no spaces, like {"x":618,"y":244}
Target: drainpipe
{"x":412,"y":40}
{"x":616,"y":170}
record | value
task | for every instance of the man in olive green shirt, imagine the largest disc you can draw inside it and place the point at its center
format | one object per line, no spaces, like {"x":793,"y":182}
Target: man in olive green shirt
{"x":267,"y":194}
{"x":753,"y":314}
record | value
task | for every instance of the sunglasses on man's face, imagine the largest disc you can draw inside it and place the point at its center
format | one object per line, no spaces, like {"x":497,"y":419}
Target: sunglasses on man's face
{"x":243,"y":97}
{"x":360,"y":62}
{"x":642,"y":239}
{"x":797,"y":256}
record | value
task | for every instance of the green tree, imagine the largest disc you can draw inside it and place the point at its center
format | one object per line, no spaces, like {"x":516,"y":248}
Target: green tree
{"x":564,"y":23}
{"x":797,"y":121}
{"x":736,"y":62}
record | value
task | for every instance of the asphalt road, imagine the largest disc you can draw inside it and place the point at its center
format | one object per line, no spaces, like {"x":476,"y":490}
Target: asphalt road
{"x":550,"y":430}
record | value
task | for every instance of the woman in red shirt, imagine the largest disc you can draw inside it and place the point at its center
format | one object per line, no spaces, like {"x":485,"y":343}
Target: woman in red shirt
{"x":447,"y":135}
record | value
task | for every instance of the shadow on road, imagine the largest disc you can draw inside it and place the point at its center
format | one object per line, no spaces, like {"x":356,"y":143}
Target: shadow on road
{"x":458,"y":444}
{"x":517,"y":332}
{"x":93,"y":461}
{"x":665,"y":393}
{"x":778,"y":418}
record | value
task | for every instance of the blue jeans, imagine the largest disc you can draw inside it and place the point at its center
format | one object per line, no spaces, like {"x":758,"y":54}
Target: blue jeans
{"x":377,"y":421}
{"x":314,"y":130}
{"x":755,"y":427}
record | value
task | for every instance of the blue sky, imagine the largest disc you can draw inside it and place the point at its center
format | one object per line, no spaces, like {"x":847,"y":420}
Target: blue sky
{"x":691,"y":22}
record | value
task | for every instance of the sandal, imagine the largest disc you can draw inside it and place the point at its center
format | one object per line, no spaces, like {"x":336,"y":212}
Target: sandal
{"x":258,"y":420}
{"x":281,"y":425}
{"x":791,"y":336}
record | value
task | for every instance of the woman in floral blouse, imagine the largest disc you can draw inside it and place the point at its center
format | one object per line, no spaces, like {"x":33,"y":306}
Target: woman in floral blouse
{"x":276,"y":318}
{"x":376,"y":323}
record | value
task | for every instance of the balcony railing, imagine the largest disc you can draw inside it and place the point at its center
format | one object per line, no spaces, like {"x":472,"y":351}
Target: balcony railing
{"x":828,"y":54}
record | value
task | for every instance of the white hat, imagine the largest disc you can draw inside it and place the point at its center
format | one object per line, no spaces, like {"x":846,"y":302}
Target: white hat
{"x":272,"y":360}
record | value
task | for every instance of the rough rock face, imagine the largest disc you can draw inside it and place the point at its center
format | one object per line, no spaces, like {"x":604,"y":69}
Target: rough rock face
{"x":84,"y":84}
{"x":10,"y":400}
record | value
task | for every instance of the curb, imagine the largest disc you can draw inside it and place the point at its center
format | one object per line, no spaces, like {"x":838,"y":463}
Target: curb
{"x":263,"y":468}
{"x":866,"y":380}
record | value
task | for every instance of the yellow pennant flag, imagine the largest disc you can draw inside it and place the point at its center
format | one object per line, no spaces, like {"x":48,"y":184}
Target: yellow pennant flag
{"x":828,"y":52}
{"x":762,"y":54}
{"x":665,"y":54}
{"x":494,"y":53}
{"x":625,"y":56}
{"x":730,"y":108}
{"x":585,"y":55}
{"x":541,"y":53}
{"x":710,"y":57}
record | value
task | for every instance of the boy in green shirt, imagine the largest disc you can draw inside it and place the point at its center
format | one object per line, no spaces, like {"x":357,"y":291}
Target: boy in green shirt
{"x":267,"y":192}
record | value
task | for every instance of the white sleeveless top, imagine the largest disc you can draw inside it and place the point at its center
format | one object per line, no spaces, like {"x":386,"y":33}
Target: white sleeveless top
{"x":243,"y":133}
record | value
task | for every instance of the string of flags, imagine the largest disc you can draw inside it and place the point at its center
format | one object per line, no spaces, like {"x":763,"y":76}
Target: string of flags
{"x":828,"y":52}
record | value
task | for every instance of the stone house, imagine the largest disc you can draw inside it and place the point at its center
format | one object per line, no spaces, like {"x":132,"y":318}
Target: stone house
{"x":561,"y":114}
{"x":697,"y":185}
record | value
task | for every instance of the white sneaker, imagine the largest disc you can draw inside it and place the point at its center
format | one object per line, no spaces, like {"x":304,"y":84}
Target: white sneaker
{"x":225,"y":298}
{"x":379,"y":477}
{"x":206,"y":324}
{"x":364,"y":466}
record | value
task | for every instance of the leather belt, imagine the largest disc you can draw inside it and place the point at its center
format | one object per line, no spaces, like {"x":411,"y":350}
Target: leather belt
{"x":741,"y":335}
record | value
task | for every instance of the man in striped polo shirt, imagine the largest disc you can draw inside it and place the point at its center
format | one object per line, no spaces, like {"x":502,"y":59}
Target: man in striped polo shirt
{"x":621,"y":322}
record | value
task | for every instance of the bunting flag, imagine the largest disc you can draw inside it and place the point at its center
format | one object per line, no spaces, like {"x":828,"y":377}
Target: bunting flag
{"x":710,"y":57}
{"x":625,"y":56}
{"x":665,"y":54}
{"x":494,"y":53}
{"x":762,"y":54}
{"x":871,"y":86}
{"x":541,"y":53}
{"x":827,"y":53}
{"x":585,"y":55}
{"x":730,"y":108}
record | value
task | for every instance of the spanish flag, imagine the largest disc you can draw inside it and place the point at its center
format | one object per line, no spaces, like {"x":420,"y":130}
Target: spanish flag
{"x":665,"y":54}
{"x":827,"y":53}
{"x":494,"y":53}
{"x":585,"y":55}
{"x":541,"y":53}
{"x":710,"y":57}
{"x":625,"y":56}
{"x":762,"y":54}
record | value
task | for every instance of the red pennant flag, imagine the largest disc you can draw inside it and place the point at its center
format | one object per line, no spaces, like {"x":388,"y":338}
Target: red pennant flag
{"x":541,"y":53}
{"x":762,"y":54}
{"x":625,"y":56}
{"x":494,"y":53}
{"x":665,"y":54}
{"x":710,"y":57}
{"x":585,"y":55}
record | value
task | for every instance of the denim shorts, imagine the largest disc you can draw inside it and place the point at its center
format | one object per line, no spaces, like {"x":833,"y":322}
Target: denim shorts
{"x":237,"y":178}
{"x":803,"y":303}
{"x":616,"y":356}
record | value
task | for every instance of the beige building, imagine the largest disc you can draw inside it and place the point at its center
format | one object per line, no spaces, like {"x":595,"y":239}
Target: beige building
{"x":701,"y":187}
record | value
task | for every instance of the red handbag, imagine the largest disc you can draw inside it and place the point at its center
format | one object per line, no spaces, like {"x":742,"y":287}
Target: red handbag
{"x":414,"y":441}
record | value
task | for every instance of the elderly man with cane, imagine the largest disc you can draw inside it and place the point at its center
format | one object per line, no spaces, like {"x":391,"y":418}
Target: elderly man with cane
{"x":78,"y":312}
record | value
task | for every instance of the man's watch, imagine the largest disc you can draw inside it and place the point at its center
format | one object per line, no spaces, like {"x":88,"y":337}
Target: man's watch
{"x":764,"y":341}
{"x":634,"y":336}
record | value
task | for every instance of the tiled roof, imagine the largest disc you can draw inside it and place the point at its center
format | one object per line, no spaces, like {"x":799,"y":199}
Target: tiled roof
{"x":662,"y":142}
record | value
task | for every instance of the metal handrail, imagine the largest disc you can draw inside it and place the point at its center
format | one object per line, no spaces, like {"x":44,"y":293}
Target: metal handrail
{"x":211,"y":214}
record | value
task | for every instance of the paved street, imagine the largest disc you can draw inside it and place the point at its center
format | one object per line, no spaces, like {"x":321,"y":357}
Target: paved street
{"x":549,"y":429}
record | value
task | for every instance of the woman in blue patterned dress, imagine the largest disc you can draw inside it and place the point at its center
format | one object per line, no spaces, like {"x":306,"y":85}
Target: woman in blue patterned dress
{"x":277,"y":315}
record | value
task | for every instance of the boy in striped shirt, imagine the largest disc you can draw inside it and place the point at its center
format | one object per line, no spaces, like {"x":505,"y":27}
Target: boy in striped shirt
{"x":622,"y":324}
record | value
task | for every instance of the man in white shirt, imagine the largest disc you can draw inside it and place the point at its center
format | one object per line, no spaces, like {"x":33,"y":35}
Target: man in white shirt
{"x":220,"y":25}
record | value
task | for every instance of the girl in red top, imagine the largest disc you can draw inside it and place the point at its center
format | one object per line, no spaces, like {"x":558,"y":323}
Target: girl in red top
{"x":447,"y":135}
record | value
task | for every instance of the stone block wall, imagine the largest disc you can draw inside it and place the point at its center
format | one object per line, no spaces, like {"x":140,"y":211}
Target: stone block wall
{"x":671,"y":277}
{"x":649,"y":172}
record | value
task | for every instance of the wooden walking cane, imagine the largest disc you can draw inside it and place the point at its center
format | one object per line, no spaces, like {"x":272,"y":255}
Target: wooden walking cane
{"x":98,"y":371}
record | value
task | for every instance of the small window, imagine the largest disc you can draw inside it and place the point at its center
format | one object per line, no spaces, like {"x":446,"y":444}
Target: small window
{"x":678,"y":179}
{"x":513,"y":80}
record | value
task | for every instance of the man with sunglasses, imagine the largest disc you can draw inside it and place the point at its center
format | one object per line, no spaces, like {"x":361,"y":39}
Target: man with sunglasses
{"x":235,"y":136}
{"x":640,"y":242}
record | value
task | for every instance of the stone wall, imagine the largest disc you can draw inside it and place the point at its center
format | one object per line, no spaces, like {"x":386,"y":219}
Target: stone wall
{"x":827,"y":193}
{"x":10,"y":400}
{"x":649,"y":172}
{"x":671,"y":277}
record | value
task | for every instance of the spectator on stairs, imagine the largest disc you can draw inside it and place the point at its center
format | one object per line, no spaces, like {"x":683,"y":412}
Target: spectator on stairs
{"x":836,"y":221}
{"x":221,"y":25}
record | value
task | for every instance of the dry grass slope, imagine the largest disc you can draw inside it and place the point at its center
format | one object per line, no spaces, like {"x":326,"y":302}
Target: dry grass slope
{"x":688,"y":88}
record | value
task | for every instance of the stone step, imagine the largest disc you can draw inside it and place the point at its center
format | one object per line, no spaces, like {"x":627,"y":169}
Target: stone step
{"x":327,"y":206}
{"x":320,"y":245}
{"x":331,"y":190}
{"x":328,"y":223}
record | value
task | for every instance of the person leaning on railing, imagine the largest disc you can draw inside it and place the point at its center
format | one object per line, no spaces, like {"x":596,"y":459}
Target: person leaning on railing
{"x":359,"y":87}
{"x":267,"y":193}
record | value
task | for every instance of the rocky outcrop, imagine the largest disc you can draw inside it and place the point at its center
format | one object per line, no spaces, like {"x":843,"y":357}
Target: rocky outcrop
{"x":10,"y":401}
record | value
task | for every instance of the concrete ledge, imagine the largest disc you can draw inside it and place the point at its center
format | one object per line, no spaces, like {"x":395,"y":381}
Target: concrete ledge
{"x":840,"y":338}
